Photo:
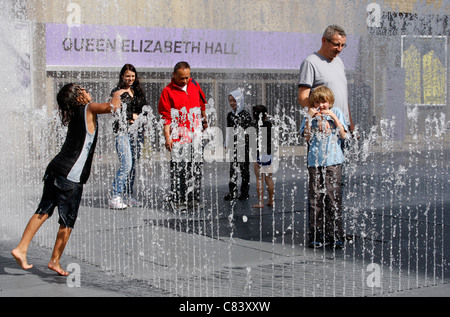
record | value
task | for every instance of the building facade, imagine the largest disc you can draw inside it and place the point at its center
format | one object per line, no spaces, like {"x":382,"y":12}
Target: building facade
{"x":396,"y":59}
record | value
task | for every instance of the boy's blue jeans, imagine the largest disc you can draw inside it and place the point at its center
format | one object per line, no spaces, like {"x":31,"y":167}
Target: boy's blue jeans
{"x":128,"y":147}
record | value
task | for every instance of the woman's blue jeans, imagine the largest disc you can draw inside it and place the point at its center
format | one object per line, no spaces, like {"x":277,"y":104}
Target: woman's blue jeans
{"x":128,"y":147}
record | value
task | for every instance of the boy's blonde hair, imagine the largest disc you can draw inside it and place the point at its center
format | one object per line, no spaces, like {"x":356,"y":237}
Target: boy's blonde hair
{"x":321,"y":94}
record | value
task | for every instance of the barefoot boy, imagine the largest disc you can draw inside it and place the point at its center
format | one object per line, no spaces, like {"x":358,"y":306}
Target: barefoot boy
{"x":68,"y":171}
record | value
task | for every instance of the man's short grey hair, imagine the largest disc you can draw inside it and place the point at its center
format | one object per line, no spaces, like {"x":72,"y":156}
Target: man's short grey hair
{"x":332,"y":30}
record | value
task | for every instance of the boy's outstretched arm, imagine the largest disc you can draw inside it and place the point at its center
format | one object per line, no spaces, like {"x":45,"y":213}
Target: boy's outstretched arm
{"x":107,"y":107}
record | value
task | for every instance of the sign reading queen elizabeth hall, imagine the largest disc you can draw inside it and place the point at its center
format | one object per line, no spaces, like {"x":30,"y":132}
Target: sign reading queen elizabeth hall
{"x":113,"y":46}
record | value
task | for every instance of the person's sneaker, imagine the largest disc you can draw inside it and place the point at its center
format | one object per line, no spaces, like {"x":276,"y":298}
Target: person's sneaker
{"x":117,"y":203}
{"x":196,"y":204}
{"x":229,"y":197}
{"x":182,"y":208}
{"x":315,"y":244}
{"x":178,"y":207}
{"x":338,"y":244}
{"x":133,"y":202}
{"x":243,"y":197}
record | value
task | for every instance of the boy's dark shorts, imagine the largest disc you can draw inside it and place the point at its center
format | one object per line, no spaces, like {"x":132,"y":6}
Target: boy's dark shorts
{"x":64,"y":194}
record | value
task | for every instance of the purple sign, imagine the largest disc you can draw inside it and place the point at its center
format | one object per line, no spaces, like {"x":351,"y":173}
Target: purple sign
{"x":113,"y":46}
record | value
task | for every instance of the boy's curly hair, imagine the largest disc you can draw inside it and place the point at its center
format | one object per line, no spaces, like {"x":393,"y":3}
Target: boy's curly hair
{"x":68,"y":99}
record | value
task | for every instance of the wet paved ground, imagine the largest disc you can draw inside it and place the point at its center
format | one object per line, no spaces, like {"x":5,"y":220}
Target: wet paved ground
{"x":277,"y":275}
{"x":231,"y":249}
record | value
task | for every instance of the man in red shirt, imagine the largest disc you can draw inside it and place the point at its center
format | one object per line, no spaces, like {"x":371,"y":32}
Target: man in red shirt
{"x":182,"y":107}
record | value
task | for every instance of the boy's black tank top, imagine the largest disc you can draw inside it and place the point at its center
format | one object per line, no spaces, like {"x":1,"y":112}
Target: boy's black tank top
{"x":74,"y":160}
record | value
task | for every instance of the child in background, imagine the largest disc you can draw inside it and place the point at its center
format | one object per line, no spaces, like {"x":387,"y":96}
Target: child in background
{"x":325,"y":158}
{"x":263,"y":171}
{"x":238,"y":117}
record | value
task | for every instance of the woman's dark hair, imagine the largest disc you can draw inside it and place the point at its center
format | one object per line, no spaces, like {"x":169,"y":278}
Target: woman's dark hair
{"x":136,"y":84}
{"x":68,"y":100}
{"x":259,"y":111}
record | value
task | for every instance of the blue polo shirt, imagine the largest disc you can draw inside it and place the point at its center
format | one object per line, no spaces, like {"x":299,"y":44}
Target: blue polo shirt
{"x":325,"y":149}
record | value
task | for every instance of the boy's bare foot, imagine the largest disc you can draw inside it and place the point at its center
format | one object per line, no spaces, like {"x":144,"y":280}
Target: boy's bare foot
{"x":258,"y":206}
{"x":21,"y":259}
{"x":54,"y":266}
